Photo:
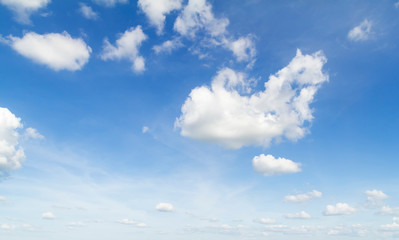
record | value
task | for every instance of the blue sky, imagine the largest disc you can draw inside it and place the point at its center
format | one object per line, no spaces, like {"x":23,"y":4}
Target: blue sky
{"x":195,"y":119}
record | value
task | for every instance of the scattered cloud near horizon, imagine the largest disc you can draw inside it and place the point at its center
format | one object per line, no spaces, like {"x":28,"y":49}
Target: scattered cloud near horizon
{"x":165,"y":207}
{"x":267,"y":165}
{"x":339,"y":209}
{"x":300,"y":198}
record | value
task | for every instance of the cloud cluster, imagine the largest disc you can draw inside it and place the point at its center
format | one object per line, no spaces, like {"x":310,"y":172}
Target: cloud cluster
{"x":361,"y":32}
{"x":11,"y":154}
{"x":303,"y":197}
{"x":24,"y":8}
{"x":58,"y":51}
{"x":127,"y":47}
{"x":221,"y":114}
{"x":339,"y":209}
{"x":165,"y":207}
{"x":269,"y":165}
{"x":375,"y":195}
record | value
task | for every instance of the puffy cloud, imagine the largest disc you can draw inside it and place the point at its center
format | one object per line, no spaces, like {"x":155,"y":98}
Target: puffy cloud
{"x":168,"y":46}
{"x":242,"y":48}
{"x":33,"y":133}
{"x":269,"y":165}
{"x":87,"y":12}
{"x":303,"y":197}
{"x":109,"y":3}
{"x":7,"y":227}
{"x":197,"y":15}
{"x":56,"y":51}
{"x":126,"y":221}
{"x":361,"y":32}
{"x":11,"y":155}
{"x":353,"y":230}
{"x":48,"y":216}
{"x":220,"y":114}
{"x":339,"y":209}
{"x":387,"y":210}
{"x":156,"y":10}
{"x":127,"y":47}
{"x":145,"y":129}
{"x":390,"y":227}
{"x":299,"y":215}
{"x":24,"y":8}
{"x":265,"y":221}
{"x":375,"y":195}
{"x":165,"y":207}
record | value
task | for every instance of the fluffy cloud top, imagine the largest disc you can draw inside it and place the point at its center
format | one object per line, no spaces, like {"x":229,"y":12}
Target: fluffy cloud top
{"x":33,"y":133}
{"x":48,"y":216}
{"x":87,"y":12}
{"x":167,"y":46}
{"x":339,"y":209}
{"x":242,"y":48}
{"x":361,"y":32}
{"x":156,"y":10}
{"x":24,"y":8}
{"x":11,"y":155}
{"x":269,"y":165}
{"x":165,"y":207}
{"x":110,"y":3}
{"x":56,"y":51}
{"x":375,"y":195}
{"x":127,"y":47}
{"x":303,"y":197}
{"x":299,"y":215}
{"x":220,"y":114}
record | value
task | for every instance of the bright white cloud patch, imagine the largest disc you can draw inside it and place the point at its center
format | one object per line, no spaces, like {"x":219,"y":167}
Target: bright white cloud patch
{"x":145,"y":129}
{"x":299,"y":215}
{"x":48,"y":216}
{"x":375,"y":195}
{"x":361,"y":32}
{"x":303,"y":197}
{"x":109,"y":3}
{"x":33,"y":133}
{"x":242,"y":48}
{"x":87,"y":12}
{"x":3,"y":199}
{"x":165,"y":207}
{"x":11,"y":155}
{"x":167,"y":46}
{"x":220,"y":114}
{"x":339,"y":209}
{"x":265,"y":221}
{"x":126,"y":221}
{"x":269,"y":165}
{"x":127,"y":47}
{"x":24,"y":8}
{"x":156,"y":10}
{"x":56,"y":51}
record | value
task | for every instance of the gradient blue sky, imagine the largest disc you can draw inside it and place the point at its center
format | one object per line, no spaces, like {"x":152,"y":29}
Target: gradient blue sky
{"x":115,"y":151}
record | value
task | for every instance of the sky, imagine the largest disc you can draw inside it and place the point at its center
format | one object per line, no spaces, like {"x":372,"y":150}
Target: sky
{"x":199,"y":119}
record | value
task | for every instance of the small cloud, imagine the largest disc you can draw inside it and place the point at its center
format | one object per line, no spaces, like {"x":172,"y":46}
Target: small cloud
{"x":48,"y":216}
{"x":299,"y":215}
{"x":33,"y":133}
{"x":361,"y":32}
{"x":3,"y":199}
{"x":145,"y":129}
{"x":265,"y":220}
{"x":303,"y":197}
{"x":375,"y":195}
{"x":168,"y":46}
{"x":109,"y":3}
{"x":387,"y":210}
{"x":7,"y":227}
{"x":141,"y":225}
{"x":269,"y":165}
{"x":126,"y":221}
{"x":73,"y":225}
{"x":165,"y":207}
{"x":87,"y":12}
{"x":339,"y":209}
{"x":396,"y":5}
{"x":390,"y":227}
{"x":242,"y":48}
{"x":24,"y":8}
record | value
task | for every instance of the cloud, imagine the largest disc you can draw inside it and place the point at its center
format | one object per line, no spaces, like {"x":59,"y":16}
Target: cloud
{"x":87,"y":12}
{"x":109,"y":3}
{"x":165,"y":207}
{"x":32,"y":133}
{"x":7,"y":227}
{"x":242,"y":48}
{"x":168,"y":46}
{"x":11,"y":154}
{"x":145,"y":129}
{"x":24,"y":8}
{"x":155,"y":10}
{"x":339,"y":209}
{"x":303,"y":197}
{"x":299,"y":215}
{"x":390,"y":227}
{"x":396,"y":5}
{"x":265,"y":221}
{"x":56,"y":51}
{"x":221,"y":114}
{"x":269,"y":165}
{"x":73,"y":225}
{"x":48,"y":216}
{"x":387,"y":210}
{"x":3,"y":199}
{"x":361,"y":32}
{"x":127,"y":47}
{"x":353,"y":230}
{"x":126,"y":221}
{"x":375,"y":195}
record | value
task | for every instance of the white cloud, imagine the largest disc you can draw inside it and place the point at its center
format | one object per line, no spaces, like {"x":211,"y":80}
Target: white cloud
{"x":269,"y":165}
{"x":73,"y":225}
{"x":3,"y":199}
{"x":265,"y":220}
{"x":11,"y":155}
{"x":299,"y":215}
{"x":156,"y":10}
{"x":387,"y":210}
{"x":390,"y":227}
{"x":339,"y":209}
{"x":165,"y":207}
{"x":353,"y":230}
{"x":168,"y":46}
{"x":242,"y":48}
{"x":48,"y":216}
{"x":395,"y":219}
{"x":396,"y":4}
{"x":24,"y":8}
{"x":361,"y":32}
{"x":145,"y":129}
{"x":87,"y":12}
{"x":126,"y":221}
{"x":7,"y":227}
{"x":197,"y":15}
{"x":127,"y":47}
{"x":220,"y":114}
{"x":141,"y":225}
{"x":55,"y":50}
{"x":33,"y":133}
{"x":303,"y":197}
{"x":375,"y":195}
{"x":109,"y":3}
